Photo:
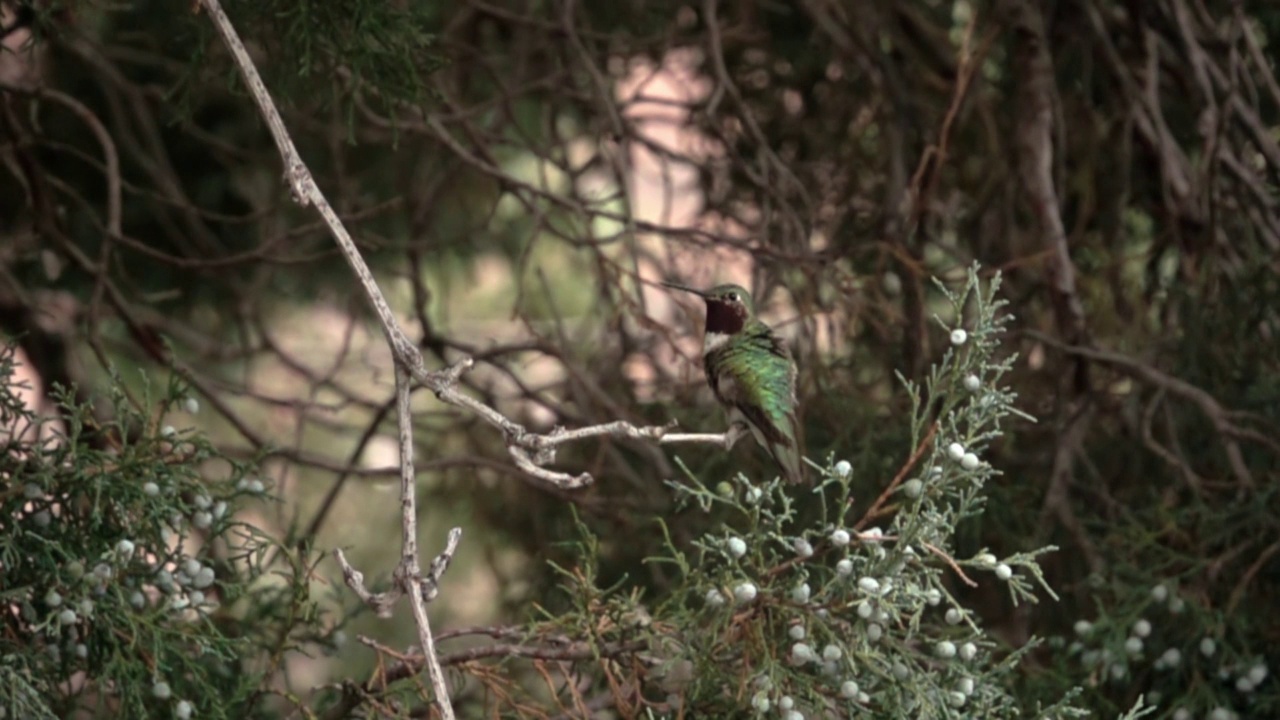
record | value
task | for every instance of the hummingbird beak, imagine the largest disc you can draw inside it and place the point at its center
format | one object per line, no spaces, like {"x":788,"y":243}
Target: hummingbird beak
{"x":677,"y":286}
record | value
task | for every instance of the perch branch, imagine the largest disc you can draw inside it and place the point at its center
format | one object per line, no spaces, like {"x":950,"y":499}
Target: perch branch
{"x":408,"y":573}
{"x":530,"y":451}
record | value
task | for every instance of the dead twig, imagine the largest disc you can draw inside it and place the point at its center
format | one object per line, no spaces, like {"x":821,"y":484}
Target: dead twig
{"x":1212,"y":409}
{"x":874,"y":511}
{"x":530,"y":451}
{"x":952,"y":562}
{"x":408,"y":573}
{"x":1255,"y":567}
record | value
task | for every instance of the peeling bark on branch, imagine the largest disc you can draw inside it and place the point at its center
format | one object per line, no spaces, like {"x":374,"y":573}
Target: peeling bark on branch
{"x":1034,"y":138}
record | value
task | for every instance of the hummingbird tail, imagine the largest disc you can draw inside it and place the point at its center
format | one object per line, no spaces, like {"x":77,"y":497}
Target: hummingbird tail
{"x":789,"y":461}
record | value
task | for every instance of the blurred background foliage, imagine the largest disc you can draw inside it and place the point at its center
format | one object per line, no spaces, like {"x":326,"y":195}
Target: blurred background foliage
{"x":521,"y":173}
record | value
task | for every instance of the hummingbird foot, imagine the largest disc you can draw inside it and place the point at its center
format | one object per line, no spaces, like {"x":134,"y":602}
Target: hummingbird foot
{"x":733,"y":434}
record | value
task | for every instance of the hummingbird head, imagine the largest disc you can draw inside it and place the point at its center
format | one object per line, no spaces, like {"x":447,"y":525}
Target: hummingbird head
{"x":729,"y":309}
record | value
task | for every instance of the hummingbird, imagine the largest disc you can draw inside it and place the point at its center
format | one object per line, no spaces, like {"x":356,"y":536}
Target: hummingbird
{"x":752,"y":374}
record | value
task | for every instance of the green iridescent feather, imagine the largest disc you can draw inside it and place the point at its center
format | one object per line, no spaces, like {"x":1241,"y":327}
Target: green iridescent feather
{"x":752,"y":374}
{"x":754,"y":377}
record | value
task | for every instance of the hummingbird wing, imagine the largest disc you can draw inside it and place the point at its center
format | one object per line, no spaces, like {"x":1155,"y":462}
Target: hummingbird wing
{"x":756,"y":376}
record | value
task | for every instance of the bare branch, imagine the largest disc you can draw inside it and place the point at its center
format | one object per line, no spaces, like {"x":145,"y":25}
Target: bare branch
{"x":529,"y":451}
{"x":1037,"y":101}
{"x":408,"y":573}
{"x":1212,"y":409}
{"x":952,"y":563}
{"x":430,"y":584}
{"x":381,"y":603}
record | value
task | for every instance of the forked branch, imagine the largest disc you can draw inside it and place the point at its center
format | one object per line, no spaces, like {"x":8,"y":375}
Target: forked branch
{"x":530,"y":451}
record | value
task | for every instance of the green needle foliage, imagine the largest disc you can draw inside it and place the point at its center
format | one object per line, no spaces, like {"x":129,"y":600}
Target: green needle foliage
{"x":809,"y":602}
{"x":802,"y":612}
{"x":131,"y":589}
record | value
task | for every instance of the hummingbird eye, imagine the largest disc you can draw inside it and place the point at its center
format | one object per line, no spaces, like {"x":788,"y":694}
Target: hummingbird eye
{"x":733,"y":297}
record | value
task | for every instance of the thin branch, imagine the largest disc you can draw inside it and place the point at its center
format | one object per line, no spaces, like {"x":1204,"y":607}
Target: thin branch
{"x":1149,"y":440}
{"x":381,"y":603}
{"x":530,"y":451}
{"x":430,"y":585}
{"x":574,"y":651}
{"x":934,"y":158}
{"x":1034,"y":139}
{"x":554,"y":647}
{"x":1212,"y":409}
{"x":306,"y":192}
{"x":952,"y":562}
{"x":1247,"y":578}
{"x":1057,"y":498}
{"x":409,"y":574}
{"x":875,"y":510}
{"x":409,"y":365}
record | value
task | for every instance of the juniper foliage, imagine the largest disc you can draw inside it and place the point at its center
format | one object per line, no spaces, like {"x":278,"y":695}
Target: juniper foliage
{"x":131,"y":588}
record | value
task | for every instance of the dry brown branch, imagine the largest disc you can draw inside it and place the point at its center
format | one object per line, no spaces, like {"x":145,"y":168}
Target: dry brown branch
{"x":1035,"y":139}
{"x":876,"y":510}
{"x":1219,"y":416}
{"x":408,"y":573}
{"x":574,"y":651}
{"x":1057,"y":498}
{"x":530,"y":451}
{"x":1174,"y":460}
{"x":952,"y":563}
{"x":1249,"y":575}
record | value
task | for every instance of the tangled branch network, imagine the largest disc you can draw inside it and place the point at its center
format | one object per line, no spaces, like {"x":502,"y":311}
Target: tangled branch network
{"x":530,"y":451}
